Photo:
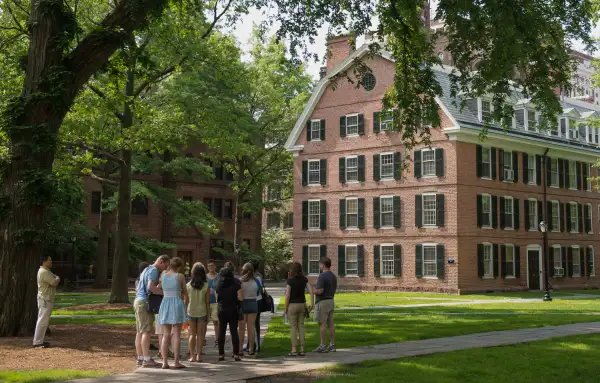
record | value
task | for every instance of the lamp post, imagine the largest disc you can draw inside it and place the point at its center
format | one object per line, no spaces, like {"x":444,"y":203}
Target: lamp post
{"x":544,"y":230}
{"x":73,"y":240}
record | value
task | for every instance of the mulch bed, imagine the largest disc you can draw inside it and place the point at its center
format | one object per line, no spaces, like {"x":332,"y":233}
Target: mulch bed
{"x":74,"y":346}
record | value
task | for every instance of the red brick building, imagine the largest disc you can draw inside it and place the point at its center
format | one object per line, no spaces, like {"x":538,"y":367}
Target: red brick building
{"x":465,"y":215}
{"x":147,"y":220}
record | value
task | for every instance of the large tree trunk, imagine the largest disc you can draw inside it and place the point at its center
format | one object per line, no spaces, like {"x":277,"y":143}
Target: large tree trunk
{"x":168,"y":182}
{"x":107,"y":219}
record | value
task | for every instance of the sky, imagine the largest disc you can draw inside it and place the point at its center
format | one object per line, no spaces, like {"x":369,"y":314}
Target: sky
{"x":243,"y":30}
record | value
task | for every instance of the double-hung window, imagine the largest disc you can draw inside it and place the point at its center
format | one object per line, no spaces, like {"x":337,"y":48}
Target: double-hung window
{"x":387,"y":121}
{"x":315,"y":130}
{"x":508,"y":166}
{"x":554,"y":172}
{"x":531,"y":169}
{"x":510,"y":261}
{"x":533,"y":214}
{"x":555,"y":216}
{"x":558,"y":269}
{"x":531,"y":120}
{"x":486,"y":110}
{"x":352,"y":169}
{"x":591,"y":262}
{"x":386,"y":165}
{"x":387,"y":260}
{"x":576,"y":261}
{"x":488,"y":260}
{"x":428,"y":162}
{"x":486,"y":210}
{"x":352,"y":125}
{"x":574,"y":217}
{"x":572,"y":175}
{"x":508,"y":213}
{"x":352,"y":213}
{"x":351,"y":260}
{"x":314,"y":214}
{"x":314,"y":256}
{"x":429,"y":210}
{"x":588,"y":181}
{"x":387,"y":211}
{"x":429,"y":261}
{"x":314,"y":172}
{"x":486,"y":162}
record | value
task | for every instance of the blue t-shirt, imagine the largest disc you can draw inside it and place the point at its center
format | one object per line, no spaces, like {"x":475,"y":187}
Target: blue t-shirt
{"x":212,"y":282}
{"x":150,"y":273}
{"x":328,"y":282}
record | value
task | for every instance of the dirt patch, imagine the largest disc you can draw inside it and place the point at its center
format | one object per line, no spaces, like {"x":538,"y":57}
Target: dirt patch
{"x":77,"y":347}
{"x":101,"y":307}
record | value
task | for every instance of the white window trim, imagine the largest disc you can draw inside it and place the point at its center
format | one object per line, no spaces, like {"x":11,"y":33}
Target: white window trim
{"x":557,"y":246}
{"x":537,"y":120}
{"x":512,"y":216}
{"x":313,"y":246}
{"x":423,"y":162}
{"x":588,"y":183}
{"x":573,"y":258}
{"x":346,"y":170}
{"x":512,"y":166}
{"x":577,"y":220}
{"x":514,"y":270}
{"x":346,"y":246}
{"x":381,"y":166}
{"x":434,"y":245}
{"x":346,"y":217}
{"x":381,"y":211}
{"x":308,"y":213}
{"x":423,"y":210}
{"x":591,"y":210}
{"x":308,"y":175}
{"x":554,"y":229}
{"x":311,"y":125}
{"x":480,"y":107}
{"x":391,"y":112}
{"x":572,"y":187}
{"x":593,"y":270}
{"x":352,"y":115}
{"x":486,"y":244}
{"x":489,"y":149}
{"x":534,"y":181}
{"x":490,"y":226}
{"x":537,"y":214}
{"x":393,"y":245}
{"x":557,"y":186}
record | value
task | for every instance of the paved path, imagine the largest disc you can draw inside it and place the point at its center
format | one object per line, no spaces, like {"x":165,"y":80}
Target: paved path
{"x":253,"y":368}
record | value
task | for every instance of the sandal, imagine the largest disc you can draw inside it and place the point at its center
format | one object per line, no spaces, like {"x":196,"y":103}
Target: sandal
{"x":179,"y":366}
{"x":165,"y":367}
{"x":292,"y":354}
{"x":301,"y":353}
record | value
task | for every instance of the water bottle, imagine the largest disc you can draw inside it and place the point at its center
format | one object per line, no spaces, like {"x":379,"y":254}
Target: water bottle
{"x":285,"y":318}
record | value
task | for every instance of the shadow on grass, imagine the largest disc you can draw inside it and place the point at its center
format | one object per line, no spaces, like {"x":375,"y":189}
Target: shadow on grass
{"x":45,"y":376}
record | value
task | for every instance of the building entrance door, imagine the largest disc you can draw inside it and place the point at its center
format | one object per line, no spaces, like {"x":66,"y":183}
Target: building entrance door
{"x":533,"y":269}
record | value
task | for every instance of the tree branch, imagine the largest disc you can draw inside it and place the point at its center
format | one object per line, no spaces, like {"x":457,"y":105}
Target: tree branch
{"x":216,"y":18}
{"x":98,"y":151}
{"x":12,"y":14}
{"x":103,"y":180}
{"x":103,"y":96}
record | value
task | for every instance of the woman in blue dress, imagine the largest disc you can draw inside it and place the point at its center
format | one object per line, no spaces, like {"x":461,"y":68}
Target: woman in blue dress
{"x":172,"y":313}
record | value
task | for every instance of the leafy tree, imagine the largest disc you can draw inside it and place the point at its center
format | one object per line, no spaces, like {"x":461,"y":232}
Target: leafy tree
{"x":276,"y":252}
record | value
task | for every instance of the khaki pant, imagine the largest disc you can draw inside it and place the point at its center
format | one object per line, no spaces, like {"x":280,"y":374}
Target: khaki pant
{"x":143,"y":319}
{"x":296,"y":313}
{"x":324,"y":312}
{"x":44,"y":312}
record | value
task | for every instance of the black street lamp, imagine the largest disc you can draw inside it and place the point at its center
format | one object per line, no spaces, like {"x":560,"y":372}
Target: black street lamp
{"x":544,"y":230}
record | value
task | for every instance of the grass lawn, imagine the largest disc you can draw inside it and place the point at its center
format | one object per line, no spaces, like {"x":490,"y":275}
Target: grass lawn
{"x":92,"y":312}
{"x":77,"y":299}
{"x":93,"y":320}
{"x":568,"y":359}
{"x":47,"y":375}
{"x":562,"y":306}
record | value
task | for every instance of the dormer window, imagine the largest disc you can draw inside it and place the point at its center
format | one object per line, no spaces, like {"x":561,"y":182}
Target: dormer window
{"x":531,"y":120}
{"x":573,"y":132}
{"x":486,"y":110}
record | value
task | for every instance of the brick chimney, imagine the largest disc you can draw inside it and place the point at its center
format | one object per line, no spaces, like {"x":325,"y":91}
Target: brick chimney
{"x":338,"y":49}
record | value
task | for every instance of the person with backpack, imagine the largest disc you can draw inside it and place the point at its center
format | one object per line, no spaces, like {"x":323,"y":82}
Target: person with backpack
{"x":198,"y":308}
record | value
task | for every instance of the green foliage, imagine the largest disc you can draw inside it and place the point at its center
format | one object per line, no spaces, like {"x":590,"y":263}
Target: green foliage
{"x":276,"y":252}
{"x":145,"y":248}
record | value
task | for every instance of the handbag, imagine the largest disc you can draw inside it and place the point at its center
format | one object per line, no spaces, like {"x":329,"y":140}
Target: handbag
{"x":265,"y":304}
{"x":154,"y":301}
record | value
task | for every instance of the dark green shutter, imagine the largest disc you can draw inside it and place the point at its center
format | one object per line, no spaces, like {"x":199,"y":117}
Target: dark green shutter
{"x":516,"y":214}
{"x":538,"y":169}
{"x":478,"y":160}
{"x":494,"y":212}
{"x":566,"y":164}
{"x":440,"y":210}
{"x":503,"y":261}
{"x":526,"y":214}
{"x":377,"y":260}
{"x":397,"y":165}
{"x":515,"y":158}
{"x":549,"y":216}
{"x":304,"y":215}
{"x":578,"y":168}
{"x":418,"y":210}
{"x":570,"y":260}
{"x":502,"y":212}
{"x":323,"y":223}
{"x":361,"y":168}
{"x":585,"y":176}
{"x":376,"y":171}
{"x":397,"y":260}
{"x":342,"y":213}
{"x":540,"y":213}
{"x":417,"y":163}
{"x":304,"y":173}
{"x":376,"y":213}
{"x":361,"y":124}
{"x":361,"y":213}
{"x":551,"y":261}
{"x":343,"y":126}
{"x":495,"y":260}
{"x":561,"y":173}
{"x":590,"y":263}
{"x":549,"y":171}
{"x":581,"y":218}
{"x":322,"y":130}
{"x":479,"y":210}
{"x":341,"y":260}
{"x":480,"y":264}
{"x":419,"y":261}
{"x":517,"y":262}
{"x":562,"y":208}
{"x":501,"y":164}
{"x":360,"y":253}
{"x":376,"y":122}
{"x":588,"y":218}
{"x":323,"y":172}
{"x":493,"y":155}
{"x":441,"y":261}
{"x":305,"y":259}
{"x":582,"y":262}
{"x":439,"y":162}
{"x":342,"y":171}
{"x":397,"y":221}
{"x":525,"y":168}
{"x":308,"y":135}
{"x":568,"y":216}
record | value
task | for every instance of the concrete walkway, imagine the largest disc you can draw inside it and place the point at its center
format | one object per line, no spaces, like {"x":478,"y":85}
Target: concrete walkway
{"x":253,"y":368}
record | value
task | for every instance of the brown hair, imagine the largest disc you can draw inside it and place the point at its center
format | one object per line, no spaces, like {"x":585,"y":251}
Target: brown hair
{"x":196,"y":266}
{"x":326,"y":262}
{"x":229,"y":265}
{"x":211,"y":261}
{"x":296,"y":269}
{"x":176,"y":264}
{"x":165,"y":258}
{"x":247,"y":272}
